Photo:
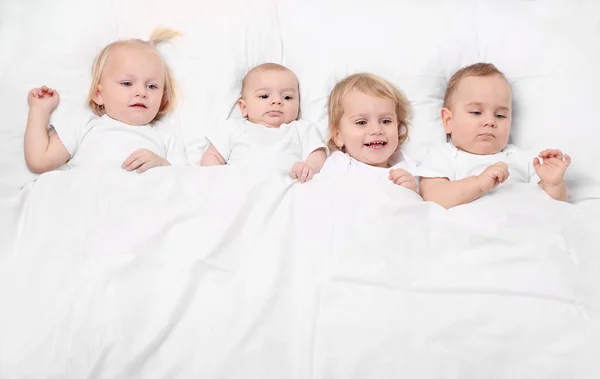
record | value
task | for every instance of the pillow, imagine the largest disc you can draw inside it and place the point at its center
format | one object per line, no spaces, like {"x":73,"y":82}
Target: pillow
{"x":50,"y":43}
{"x":413,"y":44}
{"x":54,"y":43}
{"x":551,"y":55}
{"x":548,"y":50}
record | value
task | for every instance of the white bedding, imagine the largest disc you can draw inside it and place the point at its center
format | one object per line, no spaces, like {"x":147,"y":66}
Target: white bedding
{"x":187,"y":272}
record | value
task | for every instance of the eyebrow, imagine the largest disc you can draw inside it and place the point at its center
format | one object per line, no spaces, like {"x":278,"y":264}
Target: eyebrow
{"x":480,"y":104}
{"x":283,"y":90}
{"x":365,"y":115}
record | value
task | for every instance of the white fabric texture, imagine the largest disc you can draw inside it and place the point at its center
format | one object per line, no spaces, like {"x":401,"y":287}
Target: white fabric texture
{"x":243,"y":143}
{"x":339,"y":162}
{"x":447,"y":161}
{"x":103,"y":141}
{"x":119,"y":275}
{"x":188,"y":272}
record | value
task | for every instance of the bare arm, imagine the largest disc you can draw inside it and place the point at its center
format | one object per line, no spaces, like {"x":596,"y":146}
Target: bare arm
{"x":212,"y":157}
{"x":449,"y":194}
{"x":556,"y":191}
{"x":43,"y":153}
{"x":316,"y":159}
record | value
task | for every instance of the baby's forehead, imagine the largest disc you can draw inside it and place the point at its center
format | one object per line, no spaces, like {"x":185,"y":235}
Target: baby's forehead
{"x":477,"y":86}
{"x":269,"y":77}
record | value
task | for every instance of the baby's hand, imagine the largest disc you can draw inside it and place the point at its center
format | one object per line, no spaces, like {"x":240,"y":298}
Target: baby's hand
{"x":403,"y":178}
{"x":143,"y":160}
{"x":43,"y":98}
{"x":302,"y":171}
{"x":553,"y":169}
{"x":492,"y":176}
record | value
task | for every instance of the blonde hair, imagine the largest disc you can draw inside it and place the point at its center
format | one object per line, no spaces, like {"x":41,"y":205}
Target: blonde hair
{"x":372,"y":85}
{"x":158,"y":35}
{"x":265,"y":67}
{"x":477,"y":69}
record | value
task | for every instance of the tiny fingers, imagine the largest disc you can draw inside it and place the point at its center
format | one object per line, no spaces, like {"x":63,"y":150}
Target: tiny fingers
{"x":145,"y":167}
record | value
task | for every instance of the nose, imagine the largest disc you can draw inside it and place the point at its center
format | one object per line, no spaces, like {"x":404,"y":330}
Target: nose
{"x":141,"y":91}
{"x":490,"y":122}
{"x":376,"y":129}
{"x":276,"y":100}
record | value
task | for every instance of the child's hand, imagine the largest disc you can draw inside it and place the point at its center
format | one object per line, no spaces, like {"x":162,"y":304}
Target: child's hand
{"x":492,"y":176}
{"x":553,"y":169}
{"x":302,"y":171}
{"x":403,"y":178}
{"x":143,"y":160}
{"x":43,"y":98}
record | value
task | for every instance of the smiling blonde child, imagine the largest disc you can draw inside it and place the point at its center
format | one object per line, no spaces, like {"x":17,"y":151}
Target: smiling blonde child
{"x":368,"y":124}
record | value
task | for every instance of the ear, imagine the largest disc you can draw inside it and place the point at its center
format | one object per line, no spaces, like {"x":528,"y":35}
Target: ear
{"x":98,"y":96}
{"x":335,"y":137}
{"x":164,"y":101}
{"x":242,"y":105}
{"x":447,"y":120}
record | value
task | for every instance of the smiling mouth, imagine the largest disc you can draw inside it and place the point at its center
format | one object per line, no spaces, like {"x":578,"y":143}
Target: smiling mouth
{"x":375,"y":144}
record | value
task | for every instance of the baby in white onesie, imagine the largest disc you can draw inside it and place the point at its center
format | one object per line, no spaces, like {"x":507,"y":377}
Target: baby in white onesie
{"x":269,"y":136}
{"x":131,"y":89}
{"x":368,"y":120}
{"x":477,"y":116}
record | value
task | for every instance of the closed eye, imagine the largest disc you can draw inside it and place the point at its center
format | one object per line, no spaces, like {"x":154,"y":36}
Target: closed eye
{"x":476,"y":113}
{"x":126,"y":83}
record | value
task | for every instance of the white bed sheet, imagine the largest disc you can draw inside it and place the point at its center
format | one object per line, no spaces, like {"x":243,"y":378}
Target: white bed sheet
{"x":187,"y":272}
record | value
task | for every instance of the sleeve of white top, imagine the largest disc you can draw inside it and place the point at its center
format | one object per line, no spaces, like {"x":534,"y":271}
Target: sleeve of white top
{"x":71,"y":130}
{"x":175,"y":148}
{"x":310,"y":138}
{"x":412,"y":169}
{"x":437,"y":164}
{"x":533,"y":176}
{"x":337,"y":162}
{"x":221,"y":137}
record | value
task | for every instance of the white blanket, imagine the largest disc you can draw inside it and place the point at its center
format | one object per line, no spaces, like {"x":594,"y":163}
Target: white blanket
{"x":216,"y":273}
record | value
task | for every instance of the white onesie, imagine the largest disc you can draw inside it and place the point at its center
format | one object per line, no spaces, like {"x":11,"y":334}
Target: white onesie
{"x":447,"y":161}
{"x":103,"y":141}
{"x":339,"y":162}
{"x":243,"y":143}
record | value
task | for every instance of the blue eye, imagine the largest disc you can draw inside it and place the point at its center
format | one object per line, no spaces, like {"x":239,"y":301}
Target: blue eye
{"x":500,"y":116}
{"x":126,"y":84}
{"x":152,"y":86}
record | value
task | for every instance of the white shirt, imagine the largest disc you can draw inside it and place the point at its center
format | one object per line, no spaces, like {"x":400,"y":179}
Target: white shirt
{"x":243,"y":143}
{"x":103,"y":141}
{"x":339,"y":162}
{"x":447,"y":161}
